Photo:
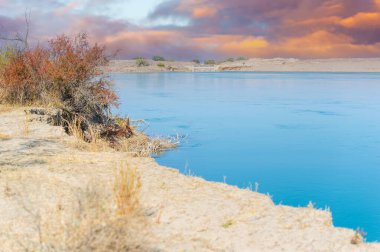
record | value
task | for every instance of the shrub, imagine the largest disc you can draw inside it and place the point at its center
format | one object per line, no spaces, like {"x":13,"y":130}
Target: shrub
{"x":65,"y":74}
{"x":158,"y":58}
{"x":82,"y":88}
{"x":241,"y":58}
{"x":140,"y":62}
{"x":24,"y":77}
{"x":210,"y":62}
{"x":230,"y":60}
{"x":161,"y":65}
{"x":5,"y":55}
{"x":196,"y":61}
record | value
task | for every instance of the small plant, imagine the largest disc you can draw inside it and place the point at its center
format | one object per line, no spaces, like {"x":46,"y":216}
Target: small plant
{"x":172,"y":69}
{"x":230,"y":60}
{"x":210,"y":62}
{"x":126,"y":189}
{"x":158,"y":58}
{"x":141,"y":62}
{"x":358,"y":236}
{"x":228,"y":223}
{"x":196,"y":61}
{"x":241,"y":58}
{"x":161,"y":65}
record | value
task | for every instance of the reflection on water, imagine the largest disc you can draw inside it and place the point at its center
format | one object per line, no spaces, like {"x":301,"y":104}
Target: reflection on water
{"x":302,"y":136}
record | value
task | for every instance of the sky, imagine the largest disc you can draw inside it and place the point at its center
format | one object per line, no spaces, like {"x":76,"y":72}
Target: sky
{"x":206,"y":29}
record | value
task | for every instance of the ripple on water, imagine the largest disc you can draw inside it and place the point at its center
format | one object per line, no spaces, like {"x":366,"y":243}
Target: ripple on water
{"x":319,"y":112}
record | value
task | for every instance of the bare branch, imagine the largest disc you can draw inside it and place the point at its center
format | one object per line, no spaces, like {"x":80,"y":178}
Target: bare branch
{"x":23,"y":39}
{"x":27,"y":23}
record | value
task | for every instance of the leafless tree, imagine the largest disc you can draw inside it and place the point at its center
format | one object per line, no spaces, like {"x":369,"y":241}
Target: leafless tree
{"x":22,"y":38}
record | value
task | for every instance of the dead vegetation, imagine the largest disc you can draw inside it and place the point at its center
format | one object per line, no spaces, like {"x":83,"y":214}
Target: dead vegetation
{"x":127,"y":188}
{"x":92,"y":222}
{"x":358,"y":236}
{"x":141,"y":145}
{"x":5,"y":108}
{"x":26,"y":125}
{"x":124,"y":137}
{"x":4,"y":136}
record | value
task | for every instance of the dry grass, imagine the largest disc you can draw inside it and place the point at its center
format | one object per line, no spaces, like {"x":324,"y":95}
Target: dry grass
{"x":127,"y":188}
{"x":358,"y":237}
{"x":5,"y":108}
{"x":143,"y":146}
{"x":88,"y":142}
{"x":139,"y":145}
{"x":26,"y":125}
{"x":4,"y":136}
{"x":91,"y":222}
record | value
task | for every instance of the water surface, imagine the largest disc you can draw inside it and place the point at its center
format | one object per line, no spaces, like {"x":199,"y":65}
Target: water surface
{"x":301,"y":136}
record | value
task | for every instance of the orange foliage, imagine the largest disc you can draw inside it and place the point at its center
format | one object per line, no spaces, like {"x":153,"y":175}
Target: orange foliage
{"x":66,"y":71}
{"x":23,"y":78}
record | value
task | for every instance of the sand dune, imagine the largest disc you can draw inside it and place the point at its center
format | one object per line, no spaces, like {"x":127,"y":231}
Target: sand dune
{"x":42,"y":172}
{"x":258,"y":65}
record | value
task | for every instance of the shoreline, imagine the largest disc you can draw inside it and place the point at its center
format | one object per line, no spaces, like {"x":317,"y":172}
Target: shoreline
{"x":352,"y":65}
{"x":40,"y":162}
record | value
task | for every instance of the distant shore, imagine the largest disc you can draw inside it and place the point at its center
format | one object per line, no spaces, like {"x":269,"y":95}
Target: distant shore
{"x":371,"y":65}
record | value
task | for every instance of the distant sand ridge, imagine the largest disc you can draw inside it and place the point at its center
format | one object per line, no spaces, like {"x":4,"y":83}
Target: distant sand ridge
{"x":258,"y":65}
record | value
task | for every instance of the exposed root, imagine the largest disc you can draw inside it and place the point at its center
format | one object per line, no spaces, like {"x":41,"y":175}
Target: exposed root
{"x":118,"y":134}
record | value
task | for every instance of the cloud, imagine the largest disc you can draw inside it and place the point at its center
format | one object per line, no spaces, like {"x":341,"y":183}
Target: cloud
{"x":67,"y":8}
{"x":232,"y":45}
{"x":361,"y":20}
{"x":202,"y":12}
{"x":213,"y":28}
{"x":9,"y":27}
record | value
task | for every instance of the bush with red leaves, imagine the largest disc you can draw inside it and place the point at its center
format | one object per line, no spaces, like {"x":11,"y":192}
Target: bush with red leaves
{"x":66,"y":73}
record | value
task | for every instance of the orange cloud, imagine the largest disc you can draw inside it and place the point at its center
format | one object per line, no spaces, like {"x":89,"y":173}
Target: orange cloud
{"x":362,"y":19}
{"x":323,"y":44}
{"x":248,"y":46}
{"x":232,"y":44}
{"x":312,"y":22}
{"x":202,"y":12}
{"x":142,"y":36}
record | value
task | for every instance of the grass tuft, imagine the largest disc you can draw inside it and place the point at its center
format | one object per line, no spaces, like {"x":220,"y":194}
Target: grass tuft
{"x":4,"y":136}
{"x":127,"y":188}
{"x":143,"y":146}
{"x":89,"y":222}
{"x":358,"y":236}
{"x":26,"y":125}
{"x":228,"y":223}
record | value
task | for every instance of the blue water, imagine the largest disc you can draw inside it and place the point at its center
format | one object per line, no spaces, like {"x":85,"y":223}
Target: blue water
{"x":301,"y":136}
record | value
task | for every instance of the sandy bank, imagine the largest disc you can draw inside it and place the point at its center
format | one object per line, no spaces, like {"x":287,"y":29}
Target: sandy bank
{"x":42,"y":174}
{"x":257,"y":65}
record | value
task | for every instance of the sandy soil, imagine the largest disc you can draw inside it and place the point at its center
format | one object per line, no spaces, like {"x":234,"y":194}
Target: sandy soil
{"x":258,"y":65}
{"x":41,"y":173}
